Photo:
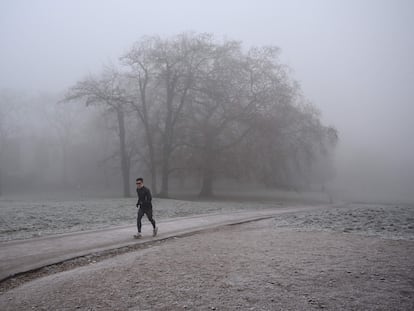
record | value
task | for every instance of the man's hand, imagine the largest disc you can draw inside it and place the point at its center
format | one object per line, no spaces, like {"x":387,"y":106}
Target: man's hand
{"x":137,"y":205}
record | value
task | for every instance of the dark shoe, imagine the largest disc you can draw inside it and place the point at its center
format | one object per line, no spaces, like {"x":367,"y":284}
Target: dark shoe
{"x":155,"y":231}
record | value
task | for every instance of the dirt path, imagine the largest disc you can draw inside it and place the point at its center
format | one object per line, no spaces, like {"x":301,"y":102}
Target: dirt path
{"x":255,"y":266}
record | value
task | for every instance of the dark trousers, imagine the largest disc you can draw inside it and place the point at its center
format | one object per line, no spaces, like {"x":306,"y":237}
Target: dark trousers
{"x":148,"y":212}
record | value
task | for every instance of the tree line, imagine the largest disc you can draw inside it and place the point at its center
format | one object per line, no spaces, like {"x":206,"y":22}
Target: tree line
{"x":190,"y":106}
{"x":187,"y":108}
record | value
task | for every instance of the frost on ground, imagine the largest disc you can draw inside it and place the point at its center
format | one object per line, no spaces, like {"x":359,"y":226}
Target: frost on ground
{"x":387,"y":221}
{"x":255,"y":266}
{"x":353,"y":257}
{"x":22,"y":219}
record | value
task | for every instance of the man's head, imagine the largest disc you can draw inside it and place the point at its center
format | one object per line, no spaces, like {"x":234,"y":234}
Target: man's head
{"x":139,"y":182}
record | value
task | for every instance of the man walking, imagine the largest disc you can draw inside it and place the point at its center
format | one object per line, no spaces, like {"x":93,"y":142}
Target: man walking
{"x":145,"y":207}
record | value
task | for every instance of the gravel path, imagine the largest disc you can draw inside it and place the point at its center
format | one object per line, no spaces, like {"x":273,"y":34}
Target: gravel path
{"x":307,"y":261}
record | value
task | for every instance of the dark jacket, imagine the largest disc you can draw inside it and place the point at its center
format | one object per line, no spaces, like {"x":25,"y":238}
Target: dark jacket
{"x":144,"y":197}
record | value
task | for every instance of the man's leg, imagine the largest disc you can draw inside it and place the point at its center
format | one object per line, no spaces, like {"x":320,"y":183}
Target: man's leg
{"x":139,"y":217}
{"x":151,"y":219}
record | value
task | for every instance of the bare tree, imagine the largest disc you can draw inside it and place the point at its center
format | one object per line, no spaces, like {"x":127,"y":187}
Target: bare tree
{"x":172,"y":66}
{"x":217,"y":109}
{"x":141,"y":65}
{"x":207,"y":108}
{"x":234,"y":90}
{"x":247,"y":104}
{"x":285,"y":143}
{"x":108,"y":91}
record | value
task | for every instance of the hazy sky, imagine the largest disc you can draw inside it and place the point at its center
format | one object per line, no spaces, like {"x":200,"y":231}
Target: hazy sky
{"x":353,"y":58}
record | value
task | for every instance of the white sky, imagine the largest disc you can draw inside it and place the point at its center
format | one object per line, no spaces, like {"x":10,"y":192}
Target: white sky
{"x":353,"y":58}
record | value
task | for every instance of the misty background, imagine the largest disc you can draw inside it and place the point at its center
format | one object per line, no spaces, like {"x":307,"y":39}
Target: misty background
{"x":352,"y":59}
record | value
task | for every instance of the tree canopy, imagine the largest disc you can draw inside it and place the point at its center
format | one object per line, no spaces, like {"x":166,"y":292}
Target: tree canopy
{"x":193,"y":108}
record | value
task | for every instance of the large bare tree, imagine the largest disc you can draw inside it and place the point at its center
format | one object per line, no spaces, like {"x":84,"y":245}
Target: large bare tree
{"x":208,"y":109}
{"x":169,"y":69}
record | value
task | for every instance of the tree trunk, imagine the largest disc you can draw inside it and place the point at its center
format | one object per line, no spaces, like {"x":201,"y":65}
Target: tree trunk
{"x":207,"y":183}
{"x":151,"y":151}
{"x":165,"y":172}
{"x":124,"y":156}
{"x":152,"y":164}
{"x":64,"y":166}
{"x":167,"y":137}
{"x":207,"y":171}
{"x":145,"y":119}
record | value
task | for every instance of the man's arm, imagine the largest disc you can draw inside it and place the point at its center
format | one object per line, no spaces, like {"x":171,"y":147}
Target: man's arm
{"x":138,"y":202}
{"x":149,"y":195}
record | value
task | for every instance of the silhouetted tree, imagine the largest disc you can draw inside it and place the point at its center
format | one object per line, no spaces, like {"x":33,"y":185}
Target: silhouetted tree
{"x":171,"y":66}
{"x":207,"y":108}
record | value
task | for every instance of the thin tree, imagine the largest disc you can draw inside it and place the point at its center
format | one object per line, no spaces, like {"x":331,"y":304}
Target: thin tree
{"x":108,"y":91}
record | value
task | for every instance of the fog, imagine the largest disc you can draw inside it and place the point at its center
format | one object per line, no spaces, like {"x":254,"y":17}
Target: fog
{"x":352,"y":59}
